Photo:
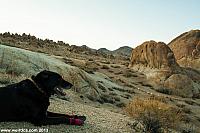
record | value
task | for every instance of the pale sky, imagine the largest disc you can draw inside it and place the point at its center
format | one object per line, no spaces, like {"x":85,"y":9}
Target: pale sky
{"x":100,"y":23}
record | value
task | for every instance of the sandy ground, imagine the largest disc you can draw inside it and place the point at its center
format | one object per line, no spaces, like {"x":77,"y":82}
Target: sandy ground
{"x":98,"y":120}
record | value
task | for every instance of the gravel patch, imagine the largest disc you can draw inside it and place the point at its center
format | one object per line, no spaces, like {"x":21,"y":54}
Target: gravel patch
{"x":98,"y":120}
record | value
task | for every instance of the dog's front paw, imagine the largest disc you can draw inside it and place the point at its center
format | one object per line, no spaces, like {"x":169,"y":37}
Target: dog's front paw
{"x":75,"y":121}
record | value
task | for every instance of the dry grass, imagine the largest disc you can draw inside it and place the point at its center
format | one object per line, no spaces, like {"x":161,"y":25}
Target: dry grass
{"x":75,"y":75}
{"x":129,"y":73}
{"x":115,"y":66}
{"x":105,"y":67}
{"x":9,"y":78}
{"x":154,"y":114}
{"x":164,"y":91}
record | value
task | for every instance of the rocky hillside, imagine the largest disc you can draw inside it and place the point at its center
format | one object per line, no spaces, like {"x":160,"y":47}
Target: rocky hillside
{"x":104,"y":51}
{"x":93,"y":94}
{"x":103,"y":84}
{"x":153,"y":55}
{"x":31,"y":43}
{"x":157,"y":61}
{"x":95,"y":87}
{"x":186,"y":48}
{"x":124,"y":51}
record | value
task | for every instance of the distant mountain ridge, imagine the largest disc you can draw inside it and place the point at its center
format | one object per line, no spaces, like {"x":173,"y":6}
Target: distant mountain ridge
{"x":122,"y":51}
{"x":26,"y":41}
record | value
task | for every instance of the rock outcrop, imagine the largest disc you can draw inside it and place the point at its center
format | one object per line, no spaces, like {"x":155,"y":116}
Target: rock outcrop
{"x":18,"y":61}
{"x":33,"y":43}
{"x":186,"y":48}
{"x":123,"y":51}
{"x":157,"y":61}
{"x":155,"y":56}
{"x":104,"y":50}
{"x":180,"y":84}
{"x":83,"y":50}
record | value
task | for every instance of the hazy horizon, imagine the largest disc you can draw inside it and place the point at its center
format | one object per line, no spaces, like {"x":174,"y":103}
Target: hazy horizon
{"x":100,"y":23}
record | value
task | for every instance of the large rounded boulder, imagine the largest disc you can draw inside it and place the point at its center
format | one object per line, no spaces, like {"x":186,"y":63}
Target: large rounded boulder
{"x":153,"y":55}
{"x":155,"y":59}
{"x":186,"y":48}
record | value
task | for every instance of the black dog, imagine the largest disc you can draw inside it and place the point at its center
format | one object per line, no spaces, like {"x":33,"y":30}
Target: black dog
{"x":28,"y":100}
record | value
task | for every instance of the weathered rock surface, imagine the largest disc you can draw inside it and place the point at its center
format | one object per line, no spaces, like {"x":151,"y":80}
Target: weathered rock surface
{"x":153,"y":55}
{"x":186,"y":48}
{"x":157,"y":61}
{"x":18,"y":61}
{"x":180,"y":85}
{"x":124,"y":51}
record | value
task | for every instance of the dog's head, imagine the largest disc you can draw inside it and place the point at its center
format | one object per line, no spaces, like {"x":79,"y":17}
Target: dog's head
{"x":51,"y":83}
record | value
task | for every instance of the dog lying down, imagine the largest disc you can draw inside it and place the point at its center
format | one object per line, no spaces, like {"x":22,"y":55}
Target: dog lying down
{"x":28,"y":101}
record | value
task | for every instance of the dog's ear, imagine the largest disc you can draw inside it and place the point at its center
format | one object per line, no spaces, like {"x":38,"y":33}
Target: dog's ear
{"x":32,"y":77}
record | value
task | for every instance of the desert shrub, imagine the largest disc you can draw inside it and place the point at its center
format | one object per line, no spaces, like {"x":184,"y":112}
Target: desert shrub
{"x":180,"y":105}
{"x":190,"y":102}
{"x":154,"y":114}
{"x":5,"y":78}
{"x":127,"y":96}
{"x":128,"y":74}
{"x":90,"y":59}
{"x":73,"y":79}
{"x":125,"y":64}
{"x":120,"y":105}
{"x":89,"y":70}
{"x":117,"y":73}
{"x":165,"y":91}
{"x":112,"y":93}
{"x":100,"y":86}
{"x":186,"y":110}
{"x":105,"y":67}
{"x":188,"y":128}
{"x":146,"y":84}
{"x":107,"y":99}
{"x":111,"y":71}
{"x":90,"y":97}
{"x":158,"y":98}
{"x":131,"y":86}
{"x":124,"y":90}
{"x":120,"y":80}
{"x":67,"y":61}
{"x":197,"y":96}
{"x":105,"y":62}
{"x":9,"y":78}
{"x":110,"y":89}
{"x":115,"y":66}
{"x":116,"y":98}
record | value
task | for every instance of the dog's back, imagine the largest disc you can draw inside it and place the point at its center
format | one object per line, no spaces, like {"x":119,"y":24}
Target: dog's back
{"x":28,"y":100}
{"x":20,"y":101}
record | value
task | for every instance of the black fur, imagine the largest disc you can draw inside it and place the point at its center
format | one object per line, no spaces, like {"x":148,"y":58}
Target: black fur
{"x":28,"y":100}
